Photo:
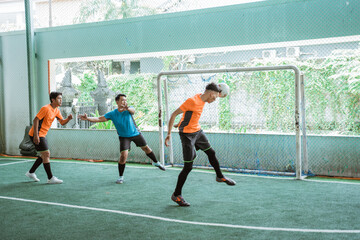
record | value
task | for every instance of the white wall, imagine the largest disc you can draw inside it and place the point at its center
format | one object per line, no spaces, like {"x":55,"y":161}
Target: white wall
{"x":16,"y":98}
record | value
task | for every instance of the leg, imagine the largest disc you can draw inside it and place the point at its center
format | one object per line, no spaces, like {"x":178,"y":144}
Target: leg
{"x":121,"y":165}
{"x":42,"y":146}
{"x":124,"y":152}
{"x":31,"y":173}
{"x":189,"y":154}
{"x":36,"y":164}
{"x":45,"y":155}
{"x":140,"y":141}
{"x":147,"y":151}
{"x":176,"y":197}
{"x":182,"y":178}
{"x":203,"y":143}
{"x":214,"y":162}
{"x":152,"y":156}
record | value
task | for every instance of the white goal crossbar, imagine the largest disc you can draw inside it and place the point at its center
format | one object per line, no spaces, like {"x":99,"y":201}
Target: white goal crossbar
{"x":299,"y":99}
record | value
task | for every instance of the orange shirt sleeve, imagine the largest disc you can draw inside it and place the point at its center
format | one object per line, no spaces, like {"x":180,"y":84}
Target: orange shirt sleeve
{"x":185,"y":106}
{"x":58,"y":115}
{"x":42,"y":113}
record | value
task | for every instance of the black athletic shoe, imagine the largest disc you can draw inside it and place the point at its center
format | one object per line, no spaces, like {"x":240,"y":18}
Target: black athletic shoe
{"x":180,"y":200}
{"x":228,"y":181}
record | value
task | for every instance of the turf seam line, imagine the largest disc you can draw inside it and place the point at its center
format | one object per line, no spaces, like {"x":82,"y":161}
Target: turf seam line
{"x":183,"y":221}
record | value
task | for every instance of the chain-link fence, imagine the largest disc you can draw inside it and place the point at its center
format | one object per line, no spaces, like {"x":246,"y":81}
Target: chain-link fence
{"x":256,"y":122}
{"x":253,"y":128}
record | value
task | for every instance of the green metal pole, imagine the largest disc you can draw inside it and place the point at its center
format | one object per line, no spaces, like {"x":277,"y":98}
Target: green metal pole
{"x":2,"y":104}
{"x":31,"y":64}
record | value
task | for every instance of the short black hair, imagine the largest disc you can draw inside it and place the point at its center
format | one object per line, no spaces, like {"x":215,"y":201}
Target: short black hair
{"x":119,"y":95}
{"x":53,"y":95}
{"x":213,"y":87}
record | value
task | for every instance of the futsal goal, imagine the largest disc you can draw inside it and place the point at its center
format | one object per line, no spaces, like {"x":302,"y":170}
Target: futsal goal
{"x":258,"y":128}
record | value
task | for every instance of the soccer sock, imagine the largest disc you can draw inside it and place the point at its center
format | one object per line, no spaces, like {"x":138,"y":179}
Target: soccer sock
{"x":152,"y":157}
{"x":121,"y":168}
{"x":48,"y":170}
{"x":182,"y":178}
{"x":36,"y":164}
{"x":214,"y":162}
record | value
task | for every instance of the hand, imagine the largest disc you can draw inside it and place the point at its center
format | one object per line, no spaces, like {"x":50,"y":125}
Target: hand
{"x":124,"y":107}
{"x":36,"y":140}
{"x":70,"y":117}
{"x":176,"y":125}
{"x":167,"y":140}
{"x":83,"y":116}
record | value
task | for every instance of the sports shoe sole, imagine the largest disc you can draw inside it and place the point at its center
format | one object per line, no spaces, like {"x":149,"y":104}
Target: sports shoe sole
{"x":180,"y":201}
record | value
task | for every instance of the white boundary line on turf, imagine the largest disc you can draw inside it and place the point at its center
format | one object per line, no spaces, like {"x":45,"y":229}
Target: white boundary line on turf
{"x":179,"y":169}
{"x":5,"y":164}
{"x":182,"y":221}
{"x":208,"y":172}
{"x":323,"y":181}
{"x":196,"y":170}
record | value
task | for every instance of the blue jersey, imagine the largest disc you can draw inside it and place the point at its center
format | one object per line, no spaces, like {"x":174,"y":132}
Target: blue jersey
{"x":124,"y":123}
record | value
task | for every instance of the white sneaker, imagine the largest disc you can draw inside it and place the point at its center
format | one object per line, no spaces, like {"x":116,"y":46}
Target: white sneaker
{"x":120,"y":180}
{"x":32,"y":176}
{"x":54,"y":180}
{"x":159,"y":165}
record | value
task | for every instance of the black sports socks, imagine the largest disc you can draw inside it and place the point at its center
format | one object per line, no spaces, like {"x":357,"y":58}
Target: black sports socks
{"x":214,"y":162}
{"x":48,"y":170}
{"x":182,"y":177}
{"x":36,"y":164}
{"x":121,"y":168}
{"x":152,"y":156}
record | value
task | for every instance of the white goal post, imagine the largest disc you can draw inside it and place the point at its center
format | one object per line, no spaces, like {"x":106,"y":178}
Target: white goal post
{"x":298,"y":111}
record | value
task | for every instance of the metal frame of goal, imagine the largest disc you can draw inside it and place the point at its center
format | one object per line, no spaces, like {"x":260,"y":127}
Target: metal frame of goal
{"x":301,"y":151}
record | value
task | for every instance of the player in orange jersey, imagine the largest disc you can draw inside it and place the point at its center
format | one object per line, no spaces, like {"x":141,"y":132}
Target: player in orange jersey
{"x":193,"y":138}
{"x":41,"y":125}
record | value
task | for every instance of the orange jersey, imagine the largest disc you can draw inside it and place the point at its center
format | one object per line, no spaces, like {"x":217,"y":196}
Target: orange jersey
{"x":192,"y":108}
{"x":46,"y":115}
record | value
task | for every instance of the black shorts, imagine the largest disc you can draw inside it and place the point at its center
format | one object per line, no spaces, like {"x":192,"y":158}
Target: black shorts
{"x":42,"y":146}
{"x":192,"y":141}
{"x":125,"y":142}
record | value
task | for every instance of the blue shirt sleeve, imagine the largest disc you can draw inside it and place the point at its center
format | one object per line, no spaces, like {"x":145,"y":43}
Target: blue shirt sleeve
{"x":108,"y":115}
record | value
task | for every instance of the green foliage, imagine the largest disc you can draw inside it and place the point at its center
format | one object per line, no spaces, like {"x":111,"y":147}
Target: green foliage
{"x":102,"y":125}
{"x":332,"y":93}
{"x":225,"y":115}
{"x":105,"y":10}
{"x":141,"y":94}
{"x":87,"y":85}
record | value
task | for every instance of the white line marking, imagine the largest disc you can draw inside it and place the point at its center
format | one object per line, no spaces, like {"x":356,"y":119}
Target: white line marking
{"x":210,"y":172}
{"x":182,"y":221}
{"x":330,"y":181}
{"x":201,"y":171}
{"x":5,"y":164}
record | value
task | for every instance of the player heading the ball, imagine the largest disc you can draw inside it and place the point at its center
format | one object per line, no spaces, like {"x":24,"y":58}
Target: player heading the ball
{"x":193,"y":138}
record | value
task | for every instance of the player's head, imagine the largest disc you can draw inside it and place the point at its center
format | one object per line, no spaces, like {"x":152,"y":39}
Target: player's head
{"x":56,"y":97}
{"x":212,"y":90}
{"x":120,"y":99}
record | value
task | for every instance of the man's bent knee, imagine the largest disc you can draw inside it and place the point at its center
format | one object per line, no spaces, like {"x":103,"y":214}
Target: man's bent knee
{"x":45,"y":156}
{"x":146,"y":149}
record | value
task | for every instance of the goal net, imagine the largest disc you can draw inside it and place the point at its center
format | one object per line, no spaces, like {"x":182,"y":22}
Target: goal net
{"x":255,"y":129}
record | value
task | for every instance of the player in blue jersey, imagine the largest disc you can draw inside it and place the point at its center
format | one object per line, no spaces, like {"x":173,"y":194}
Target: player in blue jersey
{"x":128,"y":132}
